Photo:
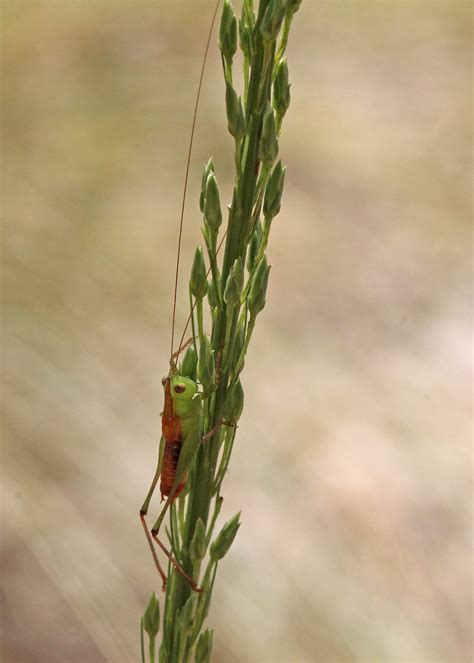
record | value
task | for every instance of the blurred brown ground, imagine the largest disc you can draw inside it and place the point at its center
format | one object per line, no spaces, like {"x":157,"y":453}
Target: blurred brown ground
{"x":352,"y":467}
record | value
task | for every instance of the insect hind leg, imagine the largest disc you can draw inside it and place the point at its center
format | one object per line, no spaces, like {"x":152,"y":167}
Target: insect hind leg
{"x":176,"y":564}
{"x":153,"y":551}
{"x":153,"y":536}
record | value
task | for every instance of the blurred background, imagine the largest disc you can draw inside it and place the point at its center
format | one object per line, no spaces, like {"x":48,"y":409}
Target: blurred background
{"x":352,"y":461}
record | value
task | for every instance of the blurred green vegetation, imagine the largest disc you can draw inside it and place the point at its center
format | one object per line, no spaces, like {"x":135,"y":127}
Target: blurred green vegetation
{"x":352,"y":464}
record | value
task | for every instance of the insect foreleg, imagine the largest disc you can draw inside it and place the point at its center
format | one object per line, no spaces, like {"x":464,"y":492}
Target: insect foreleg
{"x":183,"y":347}
{"x":215,"y":428}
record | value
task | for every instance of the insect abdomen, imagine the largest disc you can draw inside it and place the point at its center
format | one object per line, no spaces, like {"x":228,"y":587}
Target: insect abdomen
{"x":170,"y":460}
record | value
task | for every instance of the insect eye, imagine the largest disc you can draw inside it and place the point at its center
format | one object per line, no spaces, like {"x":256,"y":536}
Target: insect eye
{"x":179,"y":388}
{"x":163,"y":381}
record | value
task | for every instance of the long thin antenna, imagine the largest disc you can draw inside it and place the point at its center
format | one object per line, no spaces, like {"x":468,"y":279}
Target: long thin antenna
{"x":191,"y":139}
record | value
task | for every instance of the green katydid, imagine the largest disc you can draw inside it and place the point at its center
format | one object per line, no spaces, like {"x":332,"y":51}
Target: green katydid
{"x":181,"y":417}
{"x":180,"y":436}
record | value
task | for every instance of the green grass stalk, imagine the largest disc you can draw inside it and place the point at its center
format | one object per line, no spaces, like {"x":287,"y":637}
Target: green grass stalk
{"x":235,"y":295}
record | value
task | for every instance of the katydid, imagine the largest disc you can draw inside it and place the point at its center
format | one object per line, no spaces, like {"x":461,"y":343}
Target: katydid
{"x":181,"y":417}
{"x":181,"y":420}
{"x":180,"y":433}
